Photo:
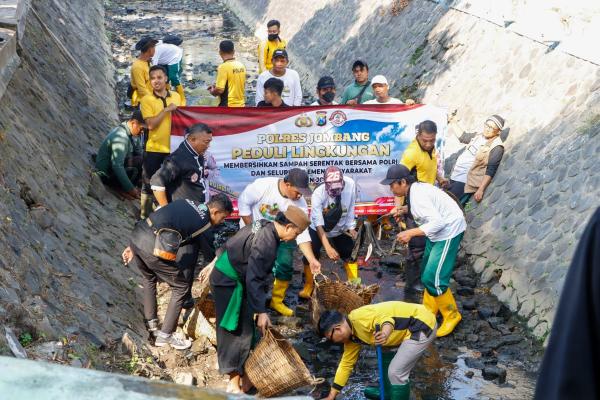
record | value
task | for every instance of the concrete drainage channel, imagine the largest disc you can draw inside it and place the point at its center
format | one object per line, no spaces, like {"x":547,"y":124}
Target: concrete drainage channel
{"x":489,"y":356}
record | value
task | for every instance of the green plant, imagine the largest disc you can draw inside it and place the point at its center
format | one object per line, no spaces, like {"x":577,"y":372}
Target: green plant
{"x":25,"y":339}
{"x":417,"y":53}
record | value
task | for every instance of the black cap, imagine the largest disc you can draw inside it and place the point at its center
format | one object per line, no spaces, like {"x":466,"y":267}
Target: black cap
{"x":145,"y":43}
{"x":325,"y":82}
{"x":395,"y":173}
{"x":173,"y":39}
{"x":137,"y":116}
{"x":280,"y":53}
{"x":298,"y":178}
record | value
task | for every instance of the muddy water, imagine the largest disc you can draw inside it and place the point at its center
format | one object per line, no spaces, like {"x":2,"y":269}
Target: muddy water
{"x":452,"y":368}
{"x":201,"y":24}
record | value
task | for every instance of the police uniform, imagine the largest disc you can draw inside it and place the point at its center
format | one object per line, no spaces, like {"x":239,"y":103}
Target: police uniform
{"x":181,"y":176}
{"x":189,"y":218}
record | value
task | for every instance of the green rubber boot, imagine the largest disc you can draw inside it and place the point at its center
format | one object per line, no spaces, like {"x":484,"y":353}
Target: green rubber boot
{"x":400,"y":392}
{"x":372,"y":392}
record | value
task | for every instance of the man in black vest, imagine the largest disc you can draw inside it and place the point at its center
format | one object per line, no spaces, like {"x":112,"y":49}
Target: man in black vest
{"x":151,"y":249}
{"x":181,"y":176}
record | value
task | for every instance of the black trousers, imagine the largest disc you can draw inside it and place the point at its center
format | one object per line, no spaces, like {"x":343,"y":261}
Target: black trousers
{"x":457,"y":188}
{"x":342,"y":243}
{"x":152,"y":269}
{"x":233,"y":348}
{"x":151,"y":164}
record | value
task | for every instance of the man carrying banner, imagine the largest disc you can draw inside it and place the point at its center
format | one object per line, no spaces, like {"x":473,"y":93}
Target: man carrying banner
{"x":239,"y":284}
{"x":326,"y":92}
{"x":263,"y":199}
{"x":381,"y":90}
{"x":156,"y":109}
{"x":292,"y":91}
{"x":332,"y":224}
{"x":442,"y":222}
{"x":360,"y":91}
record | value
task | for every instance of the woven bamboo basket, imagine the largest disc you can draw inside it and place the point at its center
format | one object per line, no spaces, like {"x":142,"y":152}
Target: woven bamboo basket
{"x":333,"y":295}
{"x":275,"y":368}
{"x":198,"y":323}
{"x":368,"y":292}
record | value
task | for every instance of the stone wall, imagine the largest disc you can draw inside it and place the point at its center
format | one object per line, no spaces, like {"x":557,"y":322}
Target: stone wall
{"x":61,"y":234}
{"x":536,"y":64}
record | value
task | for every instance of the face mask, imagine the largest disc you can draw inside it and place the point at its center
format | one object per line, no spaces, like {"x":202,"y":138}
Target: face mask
{"x":273,"y":37}
{"x":328,"y":97}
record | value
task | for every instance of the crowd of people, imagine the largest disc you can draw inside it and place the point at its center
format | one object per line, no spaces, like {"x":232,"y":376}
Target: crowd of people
{"x":178,"y":215}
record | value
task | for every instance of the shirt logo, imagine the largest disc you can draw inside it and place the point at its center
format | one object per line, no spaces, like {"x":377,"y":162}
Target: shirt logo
{"x":269,"y":212}
{"x":194,"y":178}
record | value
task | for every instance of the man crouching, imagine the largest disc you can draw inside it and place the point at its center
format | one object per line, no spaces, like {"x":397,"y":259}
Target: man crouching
{"x":410,"y":326}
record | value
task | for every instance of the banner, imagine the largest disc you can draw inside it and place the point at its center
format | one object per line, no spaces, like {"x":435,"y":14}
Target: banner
{"x":363,"y":141}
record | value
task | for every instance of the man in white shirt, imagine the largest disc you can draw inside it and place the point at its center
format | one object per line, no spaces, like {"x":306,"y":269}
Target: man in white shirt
{"x":381,"y":91}
{"x":263,"y":199}
{"x":442,"y":221}
{"x":292,"y":91}
{"x":169,"y":53}
{"x":332,"y":224}
{"x":326,"y":92}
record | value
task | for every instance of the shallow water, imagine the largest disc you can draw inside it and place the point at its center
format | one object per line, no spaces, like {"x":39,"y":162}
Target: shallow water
{"x":442,"y":372}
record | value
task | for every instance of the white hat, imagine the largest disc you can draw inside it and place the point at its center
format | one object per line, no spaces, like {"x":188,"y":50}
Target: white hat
{"x":379,"y":79}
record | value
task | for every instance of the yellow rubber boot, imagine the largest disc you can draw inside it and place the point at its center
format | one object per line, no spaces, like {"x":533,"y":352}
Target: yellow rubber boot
{"x":351,"y":270}
{"x":449,"y":311}
{"x":279,"y":289}
{"x":181,"y":93}
{"x":308,"y":283}
{"x":429,"y":302}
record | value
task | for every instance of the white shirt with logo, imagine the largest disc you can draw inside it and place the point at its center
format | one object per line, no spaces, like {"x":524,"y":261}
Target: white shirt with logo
{"x":436,"y":213}
{"x":292,"y":91}
{"x":262,"y":200}
{"x":321,"y":201}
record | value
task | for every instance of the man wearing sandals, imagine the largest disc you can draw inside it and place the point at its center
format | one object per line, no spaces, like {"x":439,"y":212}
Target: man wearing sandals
{"x":238,"y":283}
{"x":441,"y":220}
{"x":410,"y":326}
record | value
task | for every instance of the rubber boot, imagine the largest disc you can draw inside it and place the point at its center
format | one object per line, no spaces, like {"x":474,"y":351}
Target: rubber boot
{"x":372,"y":392}
{"x":308,"y":284}
{"x":181,"y":93}
{"x":400,"y":392}
{"x":412,"y":274}
{"x":447,"y":307}
{"x":430,"y":303}
{"x":145,"y":205}
{"x":351,"y":268}
{"x":279,"y":289}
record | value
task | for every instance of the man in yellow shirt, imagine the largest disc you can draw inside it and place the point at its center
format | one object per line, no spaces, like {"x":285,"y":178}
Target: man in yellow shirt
{"x":156,"y":109}
{"x":410,"y":326}
{"x":421,"y":159}
{"x":267,"y":48}
{"x":140,"y":70}
{"x":231,"y":78}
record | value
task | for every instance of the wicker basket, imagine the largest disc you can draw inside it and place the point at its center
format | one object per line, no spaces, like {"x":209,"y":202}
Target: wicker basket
{"x":275,"y":368}
{"x":368,"y":292}
{"x":198,"y":323}
{"x":333,"y":295}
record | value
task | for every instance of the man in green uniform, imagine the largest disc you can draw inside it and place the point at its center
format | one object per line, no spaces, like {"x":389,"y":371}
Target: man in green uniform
{"x":119,"y":158}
